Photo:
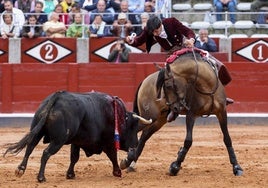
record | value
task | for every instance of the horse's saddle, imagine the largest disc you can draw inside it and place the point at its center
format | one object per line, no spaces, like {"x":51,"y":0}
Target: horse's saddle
{"x":223,"y":73}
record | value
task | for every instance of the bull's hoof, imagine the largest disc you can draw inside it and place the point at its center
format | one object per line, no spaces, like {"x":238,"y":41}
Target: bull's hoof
{"x":237,"y":170}
{"x":117,"y":173}
{"x":41,"y":179}
{"x":19,"y":171}
{"x":174,"y":169}
{"x":70,"y":176}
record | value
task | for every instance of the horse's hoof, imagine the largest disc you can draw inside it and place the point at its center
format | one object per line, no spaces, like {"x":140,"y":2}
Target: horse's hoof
{"x":19,"y":171}
{"x":117,"y":173}
{"x":131,"y":169}
{"x":174,"y":169}
{"x":41,"y":179}
{"x":70,"y":176}
{"x":238,"y":171}
{"x":124,"y":164}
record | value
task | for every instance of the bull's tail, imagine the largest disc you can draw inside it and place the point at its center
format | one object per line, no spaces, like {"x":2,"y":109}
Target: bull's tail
{"x":15,"y":148}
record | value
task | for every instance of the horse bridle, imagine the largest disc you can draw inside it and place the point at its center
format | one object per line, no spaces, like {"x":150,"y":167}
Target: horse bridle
{"x":175,"y":92}
{"x":182,"y":101}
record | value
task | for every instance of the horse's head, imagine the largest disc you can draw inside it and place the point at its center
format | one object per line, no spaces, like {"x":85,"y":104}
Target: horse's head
{"x":174,"y":88}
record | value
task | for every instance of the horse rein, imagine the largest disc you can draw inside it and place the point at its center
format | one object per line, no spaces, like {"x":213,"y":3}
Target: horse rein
{"x":182,"y":101}
{"x":175,"y":88}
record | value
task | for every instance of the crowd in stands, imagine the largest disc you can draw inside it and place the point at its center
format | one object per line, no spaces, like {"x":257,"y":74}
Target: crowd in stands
{"x":90,"y":18}
{"x":74,"y":18}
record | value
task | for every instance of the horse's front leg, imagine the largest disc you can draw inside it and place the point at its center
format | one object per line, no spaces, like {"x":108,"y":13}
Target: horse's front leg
{"x":176,"y":165}
{"x":237,"y":170}
{"x":134,"y":153}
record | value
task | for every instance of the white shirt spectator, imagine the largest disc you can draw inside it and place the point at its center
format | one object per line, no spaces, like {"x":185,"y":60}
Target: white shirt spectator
{"x":18,"y":17}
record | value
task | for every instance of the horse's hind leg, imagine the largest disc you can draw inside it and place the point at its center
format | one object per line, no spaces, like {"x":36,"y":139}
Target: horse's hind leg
{"x":237,"y":170}
{"x":176,"y":165}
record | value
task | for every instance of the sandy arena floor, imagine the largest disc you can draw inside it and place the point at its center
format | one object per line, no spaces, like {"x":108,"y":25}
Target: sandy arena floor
{"x":206,"y":165}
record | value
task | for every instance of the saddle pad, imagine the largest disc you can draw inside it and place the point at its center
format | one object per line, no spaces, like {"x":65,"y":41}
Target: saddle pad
{"x":182,"y":51}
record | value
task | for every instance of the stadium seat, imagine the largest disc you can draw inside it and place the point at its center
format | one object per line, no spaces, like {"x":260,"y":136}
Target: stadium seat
{"x":217,"y":36}
{"x":243,"y":6}
{"x":259,"y":36}
{"x":185,"y":23}
{"x":222,"y":24}
{"x":243,"y":24}
{"x":238,"y":36}
{"x":200,"y":25}
{"x":202,"y":6}
{"x":182,"y":7}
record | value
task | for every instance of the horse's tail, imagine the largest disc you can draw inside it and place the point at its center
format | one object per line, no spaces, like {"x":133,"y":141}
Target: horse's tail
{"x":15,"y":148}
{"x":135,"y":103}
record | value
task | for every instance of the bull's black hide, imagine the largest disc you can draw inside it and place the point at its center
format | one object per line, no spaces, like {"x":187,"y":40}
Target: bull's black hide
{"x":84,"y":120}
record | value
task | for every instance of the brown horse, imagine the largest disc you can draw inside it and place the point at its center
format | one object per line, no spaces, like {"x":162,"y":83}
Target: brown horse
{"x":187,"y":86}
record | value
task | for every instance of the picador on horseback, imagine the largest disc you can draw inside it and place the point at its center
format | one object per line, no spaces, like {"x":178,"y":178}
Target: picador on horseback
{"x":172,"y":35}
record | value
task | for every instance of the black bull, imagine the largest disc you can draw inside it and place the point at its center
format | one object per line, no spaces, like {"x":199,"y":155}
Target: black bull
{"x":84,"y":120}
{"x":187,"y":86}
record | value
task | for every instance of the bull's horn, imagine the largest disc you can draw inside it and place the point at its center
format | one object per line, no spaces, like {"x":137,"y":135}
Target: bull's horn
{"x":144,"y":121}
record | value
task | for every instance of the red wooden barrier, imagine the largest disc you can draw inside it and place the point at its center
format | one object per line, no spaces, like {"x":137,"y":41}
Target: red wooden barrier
{"x":3,"y":50}
{"x":24,"y":86}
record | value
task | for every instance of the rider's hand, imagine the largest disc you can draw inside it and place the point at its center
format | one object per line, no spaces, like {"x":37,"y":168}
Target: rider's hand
{"x":189,"y":43}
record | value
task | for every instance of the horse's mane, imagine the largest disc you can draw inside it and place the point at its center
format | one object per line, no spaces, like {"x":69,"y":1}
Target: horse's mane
{"x":160,"y":81}
{"x":135,"y":102}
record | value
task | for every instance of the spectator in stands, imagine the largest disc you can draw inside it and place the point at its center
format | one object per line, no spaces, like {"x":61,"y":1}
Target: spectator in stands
{"x":107,"y":16}
{"x":204,"y":42}
{"x":132,"y":17}
{"x":8,"y":28}
{"x":25,"y":6}
{"x":67,"y":5}
{"x":32,"y":28}
{"x":49,"y":5}
{"x":76,"y":29}
{"x":122,"y":27}
{"x":255,"y":7}
{"x":112,"y":5}
{"x":119,"y":53}
{"x":63,"y":17}
{"x":148,"y":7}
{"x":144,"y":18}
{"x":169,"y":33}
{"x":99,"y":28}
{"x":41,"y":15}
{"x":89,"y":3}
{"x":53,"y":28}
{"x":76,"y":9}
{"x":2,"y":8}
{"x":136,"y":6}
{"x":229,"y":4}
{"x":17,"y":17}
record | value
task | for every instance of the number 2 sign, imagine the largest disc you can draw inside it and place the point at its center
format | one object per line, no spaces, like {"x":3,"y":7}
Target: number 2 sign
{"x":48,"y":52}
